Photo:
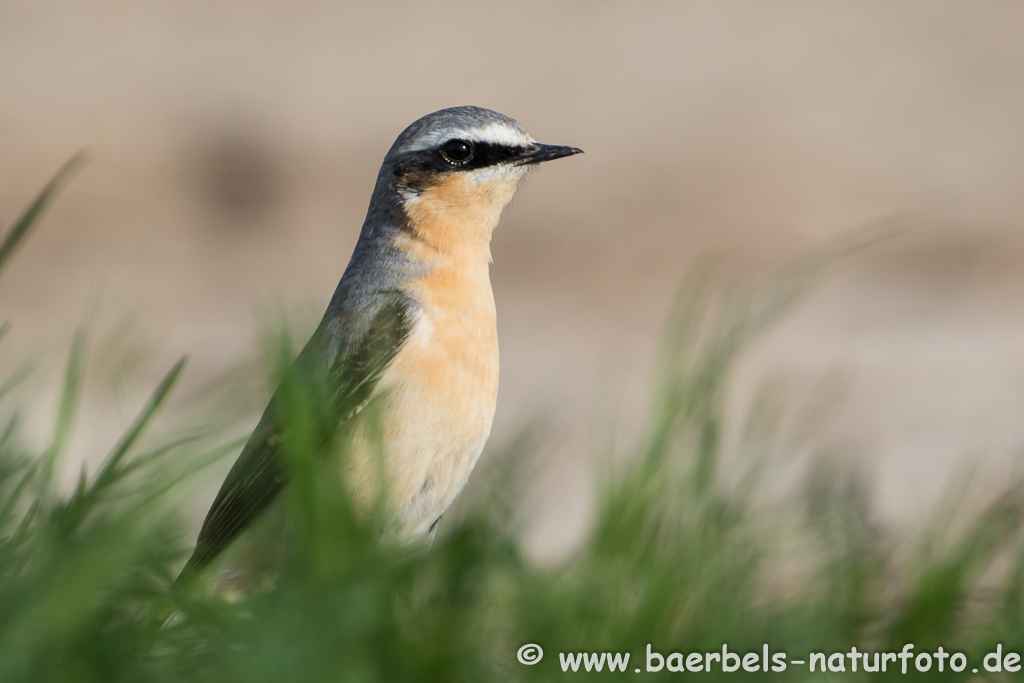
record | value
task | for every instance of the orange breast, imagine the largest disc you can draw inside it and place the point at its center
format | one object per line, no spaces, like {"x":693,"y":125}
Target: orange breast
{"x":441,"y":394}
{"x":441,"y":389}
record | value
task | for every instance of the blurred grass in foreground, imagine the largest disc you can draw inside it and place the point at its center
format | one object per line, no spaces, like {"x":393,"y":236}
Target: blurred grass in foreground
{"x":685,"y":554}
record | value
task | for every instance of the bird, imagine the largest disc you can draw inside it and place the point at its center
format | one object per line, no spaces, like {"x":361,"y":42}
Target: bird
{"x":411,"y":329}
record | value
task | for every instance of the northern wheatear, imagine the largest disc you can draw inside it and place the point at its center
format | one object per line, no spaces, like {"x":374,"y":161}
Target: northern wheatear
{"x":411,"y":327}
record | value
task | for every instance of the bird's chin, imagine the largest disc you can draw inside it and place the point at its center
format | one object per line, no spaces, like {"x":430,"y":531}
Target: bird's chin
{"x":498,"y":176}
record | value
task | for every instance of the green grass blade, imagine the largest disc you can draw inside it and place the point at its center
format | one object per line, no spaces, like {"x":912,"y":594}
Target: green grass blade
{"x":68,"y":404}
{"x":109,"y":472}
{"x":196,"y":464}
{"x":149,"y":457}
{"x":28,"y":219}
{"x":70,"y":514}
{"x":14,"y":497}
{"x":14,"y":379}
{"x":8,"y":430}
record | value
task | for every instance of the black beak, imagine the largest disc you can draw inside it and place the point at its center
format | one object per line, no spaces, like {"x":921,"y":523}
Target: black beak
{"x":539,"y":153}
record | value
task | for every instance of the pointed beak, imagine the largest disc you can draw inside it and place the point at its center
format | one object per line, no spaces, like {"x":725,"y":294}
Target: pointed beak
{"x":539,"y":153}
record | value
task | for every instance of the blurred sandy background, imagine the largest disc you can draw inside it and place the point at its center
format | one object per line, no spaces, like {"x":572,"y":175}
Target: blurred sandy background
{"x":234,"y":146}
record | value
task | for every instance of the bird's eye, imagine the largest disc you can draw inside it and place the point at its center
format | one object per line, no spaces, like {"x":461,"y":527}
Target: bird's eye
{"x":457,"y":152}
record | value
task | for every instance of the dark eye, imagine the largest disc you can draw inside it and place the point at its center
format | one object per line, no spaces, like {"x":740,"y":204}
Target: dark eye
{"x":457,"y":151}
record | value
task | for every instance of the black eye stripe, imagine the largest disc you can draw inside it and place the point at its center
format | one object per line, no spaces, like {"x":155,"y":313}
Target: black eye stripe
{"x":489,"y":154}
{"x":434,"y":161}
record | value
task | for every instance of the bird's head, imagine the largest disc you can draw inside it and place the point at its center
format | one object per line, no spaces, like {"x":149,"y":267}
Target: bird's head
{"x":453,"y":171}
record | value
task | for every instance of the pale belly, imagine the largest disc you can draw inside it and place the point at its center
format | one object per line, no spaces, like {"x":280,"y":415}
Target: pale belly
{"x":433,"y":416}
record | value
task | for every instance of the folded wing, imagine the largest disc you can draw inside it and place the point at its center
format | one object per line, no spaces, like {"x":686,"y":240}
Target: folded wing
{"x":345,"y":357}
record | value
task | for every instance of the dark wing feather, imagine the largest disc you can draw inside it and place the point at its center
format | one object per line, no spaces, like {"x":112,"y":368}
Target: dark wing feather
{"x":347,"y":371}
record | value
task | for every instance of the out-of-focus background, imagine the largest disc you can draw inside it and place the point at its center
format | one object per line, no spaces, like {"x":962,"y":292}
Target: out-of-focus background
{"x":234,"y":146}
